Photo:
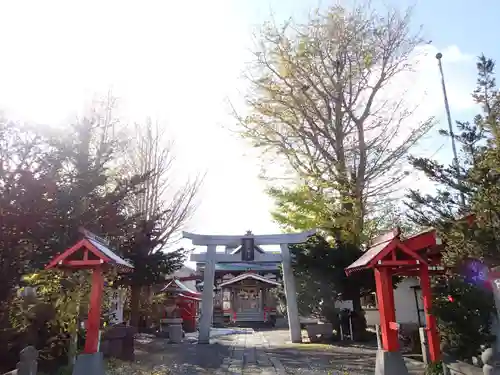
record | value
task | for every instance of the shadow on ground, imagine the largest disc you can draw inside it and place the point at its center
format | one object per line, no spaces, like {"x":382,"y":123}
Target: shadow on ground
{"x":321,"y":362}
{"x":187,"y":358}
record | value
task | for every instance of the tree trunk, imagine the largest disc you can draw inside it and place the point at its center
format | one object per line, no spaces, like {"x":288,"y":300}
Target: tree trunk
{"x":135,"y":304}
{"x":358,"y":319}
{"x":146,"y":295}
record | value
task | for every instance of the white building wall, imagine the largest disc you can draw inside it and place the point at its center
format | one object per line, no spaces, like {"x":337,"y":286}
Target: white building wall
{"x":372,"y":317}
{"x":404,"y":300}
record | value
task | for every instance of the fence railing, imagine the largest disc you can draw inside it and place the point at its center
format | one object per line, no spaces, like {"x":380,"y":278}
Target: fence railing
{"x":488,"y":363}
{"x":453,"y":367}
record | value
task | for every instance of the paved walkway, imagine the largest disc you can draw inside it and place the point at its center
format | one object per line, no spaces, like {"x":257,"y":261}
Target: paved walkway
{"x":261,"y":353}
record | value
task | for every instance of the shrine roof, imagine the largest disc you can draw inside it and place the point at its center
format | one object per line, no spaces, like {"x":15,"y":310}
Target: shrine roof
{"x":177,"y":285}
{"x":187,"y":296}
{"x":109,"y":253}
{"x":378,"y":246}
{"x":249,"y":276}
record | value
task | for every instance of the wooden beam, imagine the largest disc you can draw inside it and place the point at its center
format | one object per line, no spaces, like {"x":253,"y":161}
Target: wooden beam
{"x":410,"y":252}
{"x":268,"y":239}
{"x":83,"y":263}
{"x":397,"y":263}
{"x":65,"y":254}
{"x":388,"y":248}
{"x":228,"y":258}
{"x":416,"y":272}
{"x":98,"y":253}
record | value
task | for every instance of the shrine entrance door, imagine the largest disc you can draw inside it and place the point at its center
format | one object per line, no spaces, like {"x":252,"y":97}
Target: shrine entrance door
{"x":248,"y":299}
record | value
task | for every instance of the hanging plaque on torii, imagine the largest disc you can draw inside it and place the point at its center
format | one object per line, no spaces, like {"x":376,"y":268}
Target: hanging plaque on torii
{"x":247,"y":248}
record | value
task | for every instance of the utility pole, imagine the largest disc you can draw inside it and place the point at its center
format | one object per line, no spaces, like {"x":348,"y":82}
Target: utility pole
{"x":439,"y":55}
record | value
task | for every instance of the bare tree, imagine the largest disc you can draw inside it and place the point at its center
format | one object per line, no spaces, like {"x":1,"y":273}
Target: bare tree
{"x":151,"y":152}
{"x":163,"y":207}
{"x":322,"y":97}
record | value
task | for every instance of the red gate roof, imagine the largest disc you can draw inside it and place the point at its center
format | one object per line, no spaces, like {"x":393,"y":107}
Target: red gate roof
{"x":389,"y":250}
{"x":91,"y":251}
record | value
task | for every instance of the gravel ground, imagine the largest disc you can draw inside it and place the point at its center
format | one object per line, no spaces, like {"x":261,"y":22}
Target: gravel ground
{"x":324,"y":359}
{"x":249,"y":353}
{"x":160,"y":357}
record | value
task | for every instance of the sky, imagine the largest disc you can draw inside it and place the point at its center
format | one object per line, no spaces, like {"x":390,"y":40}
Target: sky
{"x":180,"y":61}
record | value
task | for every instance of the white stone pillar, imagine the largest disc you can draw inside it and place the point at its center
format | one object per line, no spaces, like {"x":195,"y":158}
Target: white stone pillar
{"x":207,"y":304}
{"x":291,"y":295}
{"x":120,"y":304}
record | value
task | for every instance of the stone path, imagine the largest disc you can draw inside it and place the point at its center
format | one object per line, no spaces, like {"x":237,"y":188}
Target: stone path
{"x":248,"y":355}
{"x":261,"y":353}
{"x":271,"y":353}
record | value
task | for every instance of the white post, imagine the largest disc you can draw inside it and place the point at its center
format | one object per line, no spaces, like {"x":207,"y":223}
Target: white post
{"x":496,"y":298}
{"x":207,"y":304}
{"x":291,"y":295}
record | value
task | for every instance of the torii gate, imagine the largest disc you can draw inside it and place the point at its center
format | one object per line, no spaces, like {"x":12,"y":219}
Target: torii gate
{"x":248,"y":241}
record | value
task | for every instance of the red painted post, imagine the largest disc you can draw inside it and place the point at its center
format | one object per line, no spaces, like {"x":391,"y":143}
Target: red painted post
{"x":430,"y":320}
{"x":385,"y":296}
{"x":94,"y":318}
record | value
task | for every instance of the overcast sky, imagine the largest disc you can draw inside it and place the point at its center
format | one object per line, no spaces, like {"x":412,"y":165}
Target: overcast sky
{"x":179,"y":61}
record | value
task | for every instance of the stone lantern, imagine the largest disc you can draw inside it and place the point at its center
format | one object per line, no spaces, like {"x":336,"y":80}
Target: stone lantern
{"x":172,"y":323}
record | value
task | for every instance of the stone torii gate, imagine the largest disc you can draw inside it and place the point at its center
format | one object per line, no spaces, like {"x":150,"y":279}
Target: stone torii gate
{"x":247,"y":242}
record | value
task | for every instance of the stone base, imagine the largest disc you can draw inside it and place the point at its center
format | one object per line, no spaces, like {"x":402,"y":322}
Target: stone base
{"x":175,"y":333}
{"x":87,"y":364}
{"x":390,"y":363}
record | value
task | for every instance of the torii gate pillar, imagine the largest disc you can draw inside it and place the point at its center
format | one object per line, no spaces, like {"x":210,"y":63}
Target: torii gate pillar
{"x":211,"y":242}
{"x":291,"y":295}
{"x":207,"y":304}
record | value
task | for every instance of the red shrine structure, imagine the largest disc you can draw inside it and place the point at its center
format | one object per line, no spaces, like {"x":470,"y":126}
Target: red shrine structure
{"x":91,"y":253}
{"x":187,"y":300}
{"x":389,"y":255}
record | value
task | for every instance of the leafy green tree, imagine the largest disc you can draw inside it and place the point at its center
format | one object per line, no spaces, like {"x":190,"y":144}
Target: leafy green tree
{"x":319,"y":264}
{"x":50,"y":186}
{"x":468,"y":229}
{"x":53,"y":184}
{"x":303,"y":207}
{"x":151,"y":264}
{"x":27,"y":170}
{"x":321,"y":280}
{"x":317,"y":102}
{"x":464,"y":312}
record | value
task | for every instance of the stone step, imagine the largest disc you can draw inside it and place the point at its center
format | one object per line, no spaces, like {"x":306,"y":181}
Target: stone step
{"x":249,"y":317}
{"x":249,"y":314}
